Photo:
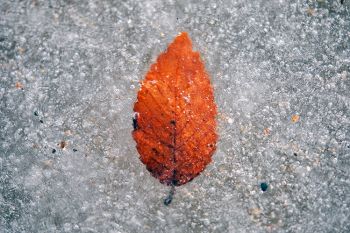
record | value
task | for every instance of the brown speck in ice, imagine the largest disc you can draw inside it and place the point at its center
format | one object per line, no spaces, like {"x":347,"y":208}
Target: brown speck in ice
{"x":63,"y":144}
{"x":21,"y":50}
{"x":310,"y":11}
{"x":267,"y":131}
{"x":19,"y":85}
{"x":295,"y":118}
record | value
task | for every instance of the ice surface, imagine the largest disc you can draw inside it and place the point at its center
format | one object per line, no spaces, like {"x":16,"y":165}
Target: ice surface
{"x":69,"y":73}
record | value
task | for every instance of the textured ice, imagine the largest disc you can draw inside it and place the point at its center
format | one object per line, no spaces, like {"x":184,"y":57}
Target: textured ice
{"x":69,"y":73}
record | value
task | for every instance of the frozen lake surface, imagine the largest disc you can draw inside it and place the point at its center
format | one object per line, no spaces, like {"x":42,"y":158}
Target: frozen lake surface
{"x":69,"y":74}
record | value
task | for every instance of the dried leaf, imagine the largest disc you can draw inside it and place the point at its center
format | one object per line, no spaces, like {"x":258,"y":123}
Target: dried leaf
{"x":175,"y":119}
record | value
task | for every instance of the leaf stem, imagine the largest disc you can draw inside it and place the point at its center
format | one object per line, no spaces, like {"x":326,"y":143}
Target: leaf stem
{"x":169,"y":198}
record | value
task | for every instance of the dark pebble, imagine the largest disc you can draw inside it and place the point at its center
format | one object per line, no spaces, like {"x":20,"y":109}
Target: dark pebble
{"x":75,"y":150}
{"x":134,"y":123}
{"x":264,"y":186}
{"x":53,"y":151}
{"x":168,"y":200}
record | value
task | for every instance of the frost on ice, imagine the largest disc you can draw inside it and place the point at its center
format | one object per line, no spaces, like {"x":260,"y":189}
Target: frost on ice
{"x":281,"y":78}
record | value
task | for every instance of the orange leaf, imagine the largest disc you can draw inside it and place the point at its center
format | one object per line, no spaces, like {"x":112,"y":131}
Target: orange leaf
{"x":175,"y":119}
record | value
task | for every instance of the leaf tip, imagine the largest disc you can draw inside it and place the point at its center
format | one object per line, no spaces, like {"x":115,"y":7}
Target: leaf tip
{"x":182,"y":40}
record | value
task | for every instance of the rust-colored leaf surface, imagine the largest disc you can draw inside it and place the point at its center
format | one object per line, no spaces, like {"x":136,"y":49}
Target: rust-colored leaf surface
{"x":175,"y":115}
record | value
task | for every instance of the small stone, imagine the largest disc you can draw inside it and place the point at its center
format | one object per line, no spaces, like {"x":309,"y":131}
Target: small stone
{"x":264,"y":186}
{"x":168,"y":200}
